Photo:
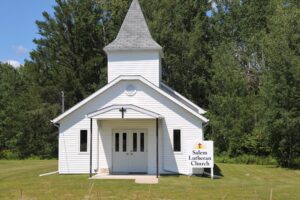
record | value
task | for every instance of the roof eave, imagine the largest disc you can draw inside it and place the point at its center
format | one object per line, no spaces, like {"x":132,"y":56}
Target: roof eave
{"x":108,"y":50}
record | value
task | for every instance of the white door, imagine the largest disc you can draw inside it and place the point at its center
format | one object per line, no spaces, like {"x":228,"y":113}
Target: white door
{"x":129,"y":151}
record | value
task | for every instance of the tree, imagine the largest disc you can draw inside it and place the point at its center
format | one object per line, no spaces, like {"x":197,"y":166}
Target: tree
{"x":230,"y":111}
{"x":234,"y":106}
{"x":69,"y":55}
{"x":280,"y":89}
{"x":10,"y":89}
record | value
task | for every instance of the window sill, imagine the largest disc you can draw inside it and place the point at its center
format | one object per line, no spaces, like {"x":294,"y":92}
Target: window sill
{"x":178,"y":152}
{"x":83,"y":153}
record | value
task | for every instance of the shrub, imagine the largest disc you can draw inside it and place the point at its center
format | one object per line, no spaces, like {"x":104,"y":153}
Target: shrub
{"x":246,"y":159}
{"x":9,"y":155}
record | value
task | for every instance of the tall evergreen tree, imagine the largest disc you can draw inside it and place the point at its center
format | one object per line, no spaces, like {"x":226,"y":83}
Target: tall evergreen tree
{"x":69,"y":55}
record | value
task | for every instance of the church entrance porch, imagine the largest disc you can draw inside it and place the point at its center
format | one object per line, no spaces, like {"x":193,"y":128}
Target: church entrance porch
{"x":127,"y":140}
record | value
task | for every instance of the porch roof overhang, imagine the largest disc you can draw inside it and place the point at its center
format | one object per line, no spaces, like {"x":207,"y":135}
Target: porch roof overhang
{"x":127,"y":111}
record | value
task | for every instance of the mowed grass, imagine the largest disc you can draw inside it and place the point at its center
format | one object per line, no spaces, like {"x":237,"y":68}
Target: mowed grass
{"x":20,"y":180}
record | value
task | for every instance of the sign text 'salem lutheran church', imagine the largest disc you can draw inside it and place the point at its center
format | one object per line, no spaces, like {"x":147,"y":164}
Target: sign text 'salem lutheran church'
{"x":202,"y":155}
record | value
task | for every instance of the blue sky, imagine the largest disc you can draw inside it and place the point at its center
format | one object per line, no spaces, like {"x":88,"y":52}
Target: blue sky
{"x":18,"y":28}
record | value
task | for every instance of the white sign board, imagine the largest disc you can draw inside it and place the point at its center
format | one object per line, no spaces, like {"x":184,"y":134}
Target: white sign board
{"x":202,"y":155}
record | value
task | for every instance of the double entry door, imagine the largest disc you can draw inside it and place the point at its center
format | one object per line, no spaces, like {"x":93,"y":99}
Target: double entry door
{"x":129,"y":151}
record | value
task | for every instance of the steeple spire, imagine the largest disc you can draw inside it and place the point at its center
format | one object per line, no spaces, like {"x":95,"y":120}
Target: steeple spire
{"x":134,"y":33}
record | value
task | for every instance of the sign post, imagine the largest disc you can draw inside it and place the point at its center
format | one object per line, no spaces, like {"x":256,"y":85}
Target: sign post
{"x":202,"y":156}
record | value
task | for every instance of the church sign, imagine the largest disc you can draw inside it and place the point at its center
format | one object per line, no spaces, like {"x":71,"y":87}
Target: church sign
{"x":202,"y":155}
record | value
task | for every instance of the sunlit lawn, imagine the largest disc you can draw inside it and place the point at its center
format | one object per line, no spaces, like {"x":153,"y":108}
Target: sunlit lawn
{"x":20,"y":180}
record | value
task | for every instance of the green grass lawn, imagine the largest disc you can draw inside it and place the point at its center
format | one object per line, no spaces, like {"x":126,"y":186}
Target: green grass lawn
{"x":20,"y":180}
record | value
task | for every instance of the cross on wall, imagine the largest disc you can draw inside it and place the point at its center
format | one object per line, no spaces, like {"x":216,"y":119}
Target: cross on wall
{"x":123,"y":110}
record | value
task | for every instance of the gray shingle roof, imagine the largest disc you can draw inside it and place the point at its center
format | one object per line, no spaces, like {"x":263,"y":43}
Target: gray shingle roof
{"x":134,"y":33}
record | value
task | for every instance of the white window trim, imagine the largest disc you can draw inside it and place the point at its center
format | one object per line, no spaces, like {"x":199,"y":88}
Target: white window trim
{"x":88,"y":145}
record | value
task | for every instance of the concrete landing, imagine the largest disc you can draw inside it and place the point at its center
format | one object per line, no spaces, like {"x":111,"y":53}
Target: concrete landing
{"x":140,"y":179}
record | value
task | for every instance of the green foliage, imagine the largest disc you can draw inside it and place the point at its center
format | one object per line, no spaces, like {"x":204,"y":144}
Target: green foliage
{"x":280,"y":89}
{"x":228,"y":109}
{"x":69,"y":55}
{"x":254,"y":99}
{"x":10,"y":120}
{"x":246,"y":159}
{"x":9,"y":155}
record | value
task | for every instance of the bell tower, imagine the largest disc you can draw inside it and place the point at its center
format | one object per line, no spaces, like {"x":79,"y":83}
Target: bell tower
{"x":134,"y":51}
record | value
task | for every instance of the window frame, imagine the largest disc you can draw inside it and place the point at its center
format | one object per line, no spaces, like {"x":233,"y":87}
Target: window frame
{"x":79,"y":142}
{"x":173,"y":146}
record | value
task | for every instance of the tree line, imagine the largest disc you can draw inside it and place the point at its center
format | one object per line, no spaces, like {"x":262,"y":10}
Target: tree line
{"x":240,"y":60}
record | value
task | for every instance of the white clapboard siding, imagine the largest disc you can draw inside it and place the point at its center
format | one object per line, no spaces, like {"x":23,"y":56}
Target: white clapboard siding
{"x":143,"y":63}
{"x":71,"y":160}
{"x":174,"y":117}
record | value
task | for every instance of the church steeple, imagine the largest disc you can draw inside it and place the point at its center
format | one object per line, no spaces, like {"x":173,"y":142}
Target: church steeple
{"x":134,"y":52}
{"x":134,"y":33}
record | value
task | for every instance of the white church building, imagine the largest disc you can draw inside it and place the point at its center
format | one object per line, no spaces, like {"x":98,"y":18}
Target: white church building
{"x":135,"y":124}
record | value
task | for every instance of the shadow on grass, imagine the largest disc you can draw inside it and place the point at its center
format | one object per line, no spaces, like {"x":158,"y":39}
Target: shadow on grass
{"x":217,"y":173}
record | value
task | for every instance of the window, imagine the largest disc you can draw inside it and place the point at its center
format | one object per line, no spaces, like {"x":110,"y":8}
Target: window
{"x":83,"y":140}
{"x":142,"y":142}
{"x":177,"y":140}
{"x":134,"y":145}
{"x":124,"y":142}
{"x":117,"y":142}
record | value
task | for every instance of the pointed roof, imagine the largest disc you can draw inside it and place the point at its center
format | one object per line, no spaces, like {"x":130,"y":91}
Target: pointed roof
{"x":134,"y":33}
